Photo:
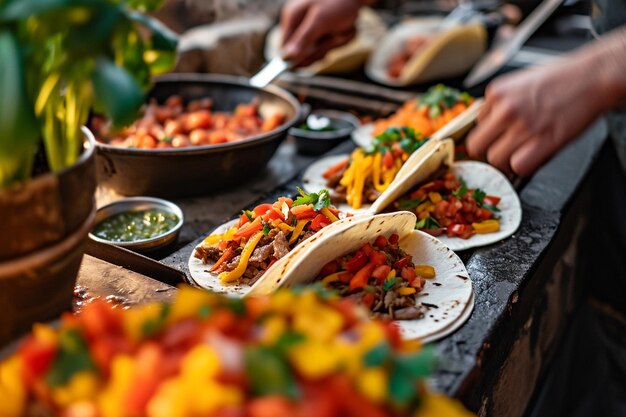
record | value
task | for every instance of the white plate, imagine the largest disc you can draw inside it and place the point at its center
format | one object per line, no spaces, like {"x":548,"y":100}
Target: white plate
{"x":493,"y":182}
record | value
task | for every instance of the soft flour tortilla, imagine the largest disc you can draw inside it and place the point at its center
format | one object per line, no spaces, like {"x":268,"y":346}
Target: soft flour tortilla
{"x":476,"y":175}
{"x":455,"y":129}
{"x":450,"y":53}
{"x":447,"y":295}
{"x":313,"y":177}
{"x":200,"y":275}
{"x":346,"y":58}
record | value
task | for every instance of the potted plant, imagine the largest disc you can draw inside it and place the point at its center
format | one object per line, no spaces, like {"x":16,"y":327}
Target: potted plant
{"x":59,"y":60}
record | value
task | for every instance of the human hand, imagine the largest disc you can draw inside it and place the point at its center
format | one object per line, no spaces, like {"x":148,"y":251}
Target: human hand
{"x":311,"y":28}
{"x":529,"y":115}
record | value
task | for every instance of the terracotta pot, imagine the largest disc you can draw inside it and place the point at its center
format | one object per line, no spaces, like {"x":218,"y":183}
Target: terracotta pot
{"x":44,"y":210}
{"x":46,"y":222}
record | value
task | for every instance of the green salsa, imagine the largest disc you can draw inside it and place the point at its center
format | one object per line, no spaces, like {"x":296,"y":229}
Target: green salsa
{"x":131,"y":226}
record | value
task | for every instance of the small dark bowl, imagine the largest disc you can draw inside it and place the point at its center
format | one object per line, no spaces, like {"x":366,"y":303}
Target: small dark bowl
{"x":316,"y":143}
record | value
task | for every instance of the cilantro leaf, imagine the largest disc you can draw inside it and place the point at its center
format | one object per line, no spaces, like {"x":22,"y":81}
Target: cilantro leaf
{"x":479,"y":196}
{"x":492,"y":208}
{"x":439,"y":97}
{"x":410,"y":204}
{"x":71,"y":358}
{"x":266,"y":228}
{"x":249,"y":214}
{"x":389,"y":283}
{"x":427,"y":223}
{"x":269,"y":373}
{"x":461,"y":191}
{"x":377,"y":356}
{"x":323,"y":200}
{"x":319,"y":200}
{"x":408,"y":139}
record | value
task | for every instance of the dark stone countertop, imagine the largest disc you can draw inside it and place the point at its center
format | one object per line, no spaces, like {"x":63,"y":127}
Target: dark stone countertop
{"x":503,"y":273}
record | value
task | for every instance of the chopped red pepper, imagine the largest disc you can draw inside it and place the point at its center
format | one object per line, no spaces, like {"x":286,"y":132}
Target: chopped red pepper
{"x":361,"y":278}
{"x":381,"y":272}
{"x":320,"y":221}
{"x":394,"y":239}
{"x":380,"y":242}
{"x":358,"y":261}
{"x":402,"y":263}
{"x":378,"y":258}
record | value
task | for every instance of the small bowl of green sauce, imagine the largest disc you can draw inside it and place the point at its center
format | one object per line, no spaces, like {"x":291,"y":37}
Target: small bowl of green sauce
{"x":138,"y":223}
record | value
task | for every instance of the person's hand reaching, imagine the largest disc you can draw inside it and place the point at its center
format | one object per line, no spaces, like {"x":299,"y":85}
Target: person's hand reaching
{"x":311,"y":28}
{"x":529,"y":115}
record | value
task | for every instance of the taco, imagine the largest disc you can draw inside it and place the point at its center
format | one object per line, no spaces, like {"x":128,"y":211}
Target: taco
{"x":387,"y":266}
{"x":346,"y":58}
{"x":236,"y":254}
{"x":441,"y":112}
{"x":419,"y":50}
{"x":467,"y":203}
{"x":356,"y":181}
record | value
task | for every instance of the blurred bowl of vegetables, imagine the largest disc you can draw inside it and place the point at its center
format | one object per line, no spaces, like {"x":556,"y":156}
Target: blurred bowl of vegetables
{"x":141,"y":224}
{"x":300,"y":353}
{"x":198,"y":133}
{"x":322,"y":130}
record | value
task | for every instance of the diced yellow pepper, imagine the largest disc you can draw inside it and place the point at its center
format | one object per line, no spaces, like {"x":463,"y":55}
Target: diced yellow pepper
{"x":372,"y":383}
{"x":83,"y":386}
{"x":189,"y":300}
{"x":406,"y":291}
{"x":273,"y":327}
{"x":201,"y":362}
{"x":12,"y":391}
{"x":424,"y":206}
{"x":487,"y":226}
{"x":285,"y":227}
{"x":45,"y":333}
{"x":314,"y":359}
{"x":326,"y":212}
{"x":434,"y":197}
{"x":425,"y":271}
{"x":298,"y":230}
{"x":332,"y":278}
{"x":236,"y":273}
{"x":391,"y":274}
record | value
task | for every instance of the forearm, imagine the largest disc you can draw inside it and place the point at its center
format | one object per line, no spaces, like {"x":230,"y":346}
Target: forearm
{"x":605,"y":61}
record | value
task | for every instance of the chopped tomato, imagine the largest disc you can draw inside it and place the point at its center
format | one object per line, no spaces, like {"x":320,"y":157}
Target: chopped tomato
{"x":329,"y":268}
{"x":388,"y":161}
{"x":491,"y":200}
{"x":249,"y":229}
{"x":408,"y":273}
{"x":393,"y":239}
{"x":320,"y":221}
{"x":243,"y":219}
{"x":358,"y":261}
{"x":377,"y":258}
{"x":37,"y":357}
{"x":269,"y":406}
{"x":402,"y":263}
{"x":380,"y":242}
{"x":368,"y":300}
{"x":304,"y":211}
{"x":367,"y":248}
{"x":381,"y":272}
{"x":261,"y":209}
{"x":361,"y":278}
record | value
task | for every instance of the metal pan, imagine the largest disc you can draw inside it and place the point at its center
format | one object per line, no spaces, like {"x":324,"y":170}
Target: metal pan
{"x":200,"y":169}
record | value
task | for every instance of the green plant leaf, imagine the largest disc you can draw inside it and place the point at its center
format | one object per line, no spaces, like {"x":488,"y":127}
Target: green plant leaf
{"x":117,"y":92}
{"x":72,"y":357}
{"x":22,"y":9}
{"x":269,"y":373}
{"x":161,"y":36}
{"x":19,"y":132}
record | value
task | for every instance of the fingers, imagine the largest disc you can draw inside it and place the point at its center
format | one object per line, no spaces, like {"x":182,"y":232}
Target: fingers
{"x":303,"y":37}
{"x":320,"y":50}
{"x":499,"y":153}
{"x":490,"y":127}
{"x":291,"y":17}
{"x":533,"y":153}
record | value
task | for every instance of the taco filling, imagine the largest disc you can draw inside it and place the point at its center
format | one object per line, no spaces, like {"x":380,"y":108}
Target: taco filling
{"x":381,"y":277}
{"x":366,"y":174}
{"x":445,"y":205}
{"x":429,"y":112}
{"x":264,"y":235}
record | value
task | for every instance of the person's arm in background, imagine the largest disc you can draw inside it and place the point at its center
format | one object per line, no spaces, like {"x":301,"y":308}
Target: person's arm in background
{"x":531,"y":114}
{"x":313,"y":27}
